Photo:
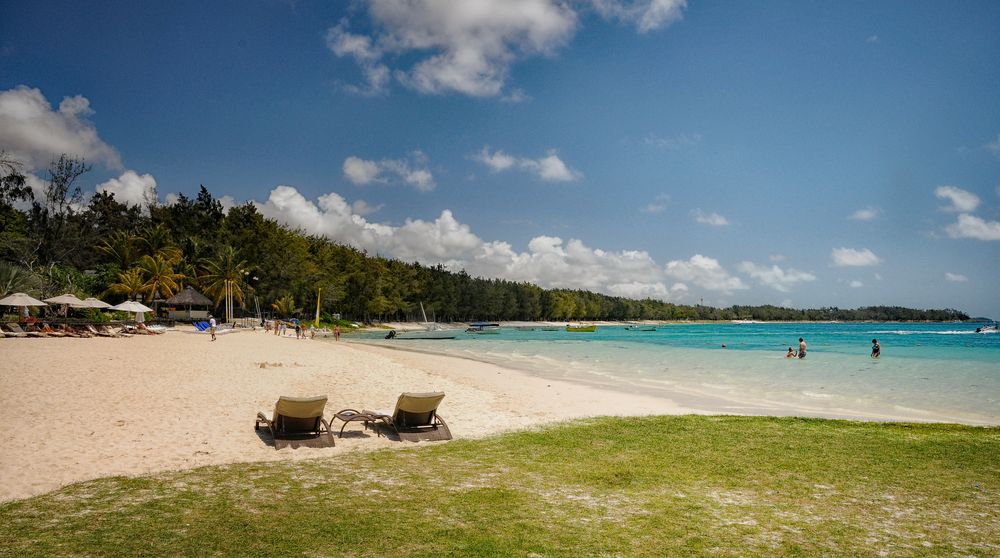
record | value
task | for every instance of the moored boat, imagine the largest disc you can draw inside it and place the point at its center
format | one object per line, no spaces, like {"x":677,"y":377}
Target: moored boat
{"x":583,"y":328}
{"x":483,"y":328}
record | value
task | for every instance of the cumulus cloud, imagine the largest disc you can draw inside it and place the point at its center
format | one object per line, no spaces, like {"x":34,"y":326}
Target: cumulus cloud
{"x":865,"y":214}
{"x":131,"y":188}
{"x":713,"y":219}
{"x":411,"y":171}
{"x":463,"y":47}
{"x":35,"y":133}
{"x":970,"y":226}
{"x":849,"y":257}
{"x":468,"y":47}
{"x":706,"y":273}
{"x":775,"y":277}
{"x":961,"y":200}
{"x":955,"y":277}
{"x":856,"y":284}
{"x":363,"y":208}
{"x":645,"y":15}
{"x":549,"y":168}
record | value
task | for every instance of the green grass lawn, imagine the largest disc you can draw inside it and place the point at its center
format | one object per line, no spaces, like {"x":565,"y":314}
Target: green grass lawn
{"x":656,"y":486}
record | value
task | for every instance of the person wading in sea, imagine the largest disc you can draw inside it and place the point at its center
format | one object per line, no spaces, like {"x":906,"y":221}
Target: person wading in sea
{"x":802,"y":348}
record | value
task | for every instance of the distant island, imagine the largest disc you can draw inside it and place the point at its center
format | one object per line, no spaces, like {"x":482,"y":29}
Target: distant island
{"x":116,"y":251}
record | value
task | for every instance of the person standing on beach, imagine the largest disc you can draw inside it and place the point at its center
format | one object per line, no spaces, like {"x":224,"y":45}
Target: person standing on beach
{"x":876,"y":349}
{"x":211,"y":325}
{"x":336,"y":333}
{"x":802,"y":348}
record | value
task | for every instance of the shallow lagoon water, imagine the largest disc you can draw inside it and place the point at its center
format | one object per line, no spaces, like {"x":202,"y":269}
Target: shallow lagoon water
{"x":934,"y":372}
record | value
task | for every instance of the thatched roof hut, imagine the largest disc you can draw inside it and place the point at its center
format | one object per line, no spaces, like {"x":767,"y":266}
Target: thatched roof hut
{"x":188,"y":298}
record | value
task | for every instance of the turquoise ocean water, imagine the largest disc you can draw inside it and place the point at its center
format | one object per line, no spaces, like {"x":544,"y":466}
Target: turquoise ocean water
{"x":937,"y":372}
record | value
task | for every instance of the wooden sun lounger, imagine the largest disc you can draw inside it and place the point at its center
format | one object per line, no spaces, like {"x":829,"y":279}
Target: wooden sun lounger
{"x":298,"y":421}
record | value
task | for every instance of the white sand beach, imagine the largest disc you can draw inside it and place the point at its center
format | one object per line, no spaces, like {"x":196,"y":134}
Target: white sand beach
{"x":80,"y":409}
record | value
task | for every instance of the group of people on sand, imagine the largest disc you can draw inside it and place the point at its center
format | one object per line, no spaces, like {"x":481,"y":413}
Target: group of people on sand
{"x":876,"y":349}
{"x":280,"y":327}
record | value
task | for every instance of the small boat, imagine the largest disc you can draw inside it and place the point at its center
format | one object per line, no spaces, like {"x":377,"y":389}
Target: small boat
{"x":640,"y":327}
{"x":483,"y":328}
{"x":989,"y":328}
{"x":582,"y":328}
{"x":549,"y":328}
{"x":432,"y":330}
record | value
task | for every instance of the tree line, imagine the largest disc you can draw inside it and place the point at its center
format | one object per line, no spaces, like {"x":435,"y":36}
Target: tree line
{"x":57,"y":242}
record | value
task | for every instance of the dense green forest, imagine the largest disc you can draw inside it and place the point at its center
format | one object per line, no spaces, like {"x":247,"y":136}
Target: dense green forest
{"x":58,"y":242}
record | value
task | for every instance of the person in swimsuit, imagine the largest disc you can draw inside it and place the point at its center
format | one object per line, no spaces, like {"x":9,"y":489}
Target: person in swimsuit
{"x":802,"y":348}
{"x":790,"y":353}
{"x":876,"y":349}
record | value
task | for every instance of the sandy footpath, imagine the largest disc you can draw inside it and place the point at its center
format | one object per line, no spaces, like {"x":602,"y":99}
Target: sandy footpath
{"x":79,"y":409}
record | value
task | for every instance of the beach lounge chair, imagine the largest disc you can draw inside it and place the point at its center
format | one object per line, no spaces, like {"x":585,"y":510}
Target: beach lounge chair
{"x":415,"y":417}
{"x":298,"y":421}
{"x":18,"y":332}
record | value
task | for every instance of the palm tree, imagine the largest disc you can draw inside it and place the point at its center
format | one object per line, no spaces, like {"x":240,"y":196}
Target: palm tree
{"x":225,"y":267}
{"x":160,"y":277}
{"x":121,"y":248}
{"x":285,"y":306}
{"x":14,"y":279}
{"x":130,"y":283}
{"x":156,"y":241}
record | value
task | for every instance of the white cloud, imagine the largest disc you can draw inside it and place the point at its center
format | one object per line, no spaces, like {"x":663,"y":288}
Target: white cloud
{"x":463,"y":47}
{"x":955,"y":277}
{"x":865,"y":214}
{"x":658,"y":205}
{"x":856,"y":284}
{"x":704,"y":272}
{"x":549,"y":168}
{"x":360,"y":171}
{"x":469,"y":47}
{"x":970,"y":226}
{"x":646,"y":15}
{"x":775,"y":277}
{"x":131,"y":188}
{"x":36,"y":134}
{"x":961,"y":200}
{"x":713,"y":219}
{"x":777,"y":258}
{"x":496,"y":161}
{"x":171,"y":198}
{"x":411,"y":171}
{"x":872,"y":39}
{"x":849,"y":257}
{"x":994,"y":147}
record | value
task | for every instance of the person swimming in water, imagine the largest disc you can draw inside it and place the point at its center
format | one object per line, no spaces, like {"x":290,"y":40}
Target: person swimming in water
{"x":876,"y":349}
{"x":790,"y":353}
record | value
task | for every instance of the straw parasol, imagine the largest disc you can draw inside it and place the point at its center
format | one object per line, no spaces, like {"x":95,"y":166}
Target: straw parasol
{"x":21,"y":299}
{"x":132,"y":306}
{"x":65,"y":300}
{"x":92,"y":302}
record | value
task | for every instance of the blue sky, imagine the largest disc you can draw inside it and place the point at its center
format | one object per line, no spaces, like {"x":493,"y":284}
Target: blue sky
{"x":795,"y":153}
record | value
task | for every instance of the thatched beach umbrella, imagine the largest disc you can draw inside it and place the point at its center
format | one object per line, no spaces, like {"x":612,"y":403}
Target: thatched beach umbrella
{"x":133,"y":306}
{"x":66,"y":300}
{"x":21,"y":300}
{"x":91,"y":302}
